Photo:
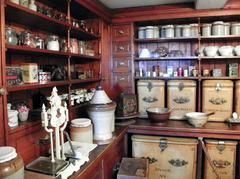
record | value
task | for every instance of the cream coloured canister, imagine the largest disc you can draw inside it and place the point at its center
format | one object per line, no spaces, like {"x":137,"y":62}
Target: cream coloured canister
{"x":218,"y":98}
{"x":181,"y":98}
{"x":151,"y":93}
{"x":218,"y":28}
{"x":237,"y":97}
{"x":235,"y":28}
{"x":206,"y":30}
{"x":30,"y":72}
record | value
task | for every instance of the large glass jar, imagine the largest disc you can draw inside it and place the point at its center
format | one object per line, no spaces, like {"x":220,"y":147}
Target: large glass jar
{"x":155,"y":32}
{"x":27,"y":39}
{"x":226,"y":28}
{"x":53,"y":43}
{"x":11,"y":36}
{"x":74,"y":46}
{"x":194,"y":30}
{"x":178,"y":30}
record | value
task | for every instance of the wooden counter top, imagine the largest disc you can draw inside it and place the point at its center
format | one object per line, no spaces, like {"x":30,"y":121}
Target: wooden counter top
{"x":184,"y":129}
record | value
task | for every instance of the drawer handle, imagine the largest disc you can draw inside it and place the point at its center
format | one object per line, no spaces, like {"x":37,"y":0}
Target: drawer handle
{"x":178,"y":162}
{"x":121,"y":32}
{"x":121,"y":64}
{"x":163,"y":144}
{"x":218,"y":87}
{"x":221,"y":163}
{"x":150,"y":99}
{"x":122,"y":79}
{"x":121,"y":48}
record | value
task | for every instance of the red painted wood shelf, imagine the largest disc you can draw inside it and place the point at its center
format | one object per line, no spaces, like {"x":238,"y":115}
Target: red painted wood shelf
{"x":76,"y":56}
{"x":25,"y":126}
{"x":220,"y":57}
{"x":22,"y":15}
{"x":166,"y":58}
{"x":82,"y":34}
{"x":76,"y":81}
{"x":174,"y":39}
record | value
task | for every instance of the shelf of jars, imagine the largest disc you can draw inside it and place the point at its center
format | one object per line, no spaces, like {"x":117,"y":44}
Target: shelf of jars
{"x":165,"y":39}
{"x":166,"y":58}
{"x":187,"y":78}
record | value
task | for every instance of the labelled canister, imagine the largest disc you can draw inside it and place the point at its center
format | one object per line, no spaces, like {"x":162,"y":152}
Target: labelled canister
{"x":151,"y":93}
{"x":11,"y":164}
{"x":217,"y":97}
{"x":81,"y":130}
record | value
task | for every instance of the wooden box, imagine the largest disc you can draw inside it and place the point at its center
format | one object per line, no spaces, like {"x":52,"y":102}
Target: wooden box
{"x":151,"y":93}
{"x":237,"y":97}
{"x":218,"y":97}
{"x":133,"y":168}
{"x":171,"y":158}
{"x":223,"y":157}
{"x":181,"y":97}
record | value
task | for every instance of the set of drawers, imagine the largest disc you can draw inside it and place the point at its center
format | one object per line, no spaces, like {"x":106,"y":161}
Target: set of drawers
{"x":122,"y":77}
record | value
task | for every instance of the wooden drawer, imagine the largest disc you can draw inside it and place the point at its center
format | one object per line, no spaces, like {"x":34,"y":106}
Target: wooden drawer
{"x":122,"y":64}
{"x":121,"y":48}
{"x":121,"y":32}
{"x":122,"y":79}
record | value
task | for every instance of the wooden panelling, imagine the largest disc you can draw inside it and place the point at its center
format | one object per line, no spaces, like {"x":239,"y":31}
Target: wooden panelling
{"x":121,"y":32}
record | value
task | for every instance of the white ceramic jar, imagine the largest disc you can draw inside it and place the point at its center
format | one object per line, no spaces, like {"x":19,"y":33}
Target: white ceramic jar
{"x":178,"y":30}
{"x":211,"y":51}
{"x":206,"y":30}
{"x":32,"y":5}
{"x":53,"y":43}
{"x":149,"y":32}
{"x":156,"y":32}
{"x":12,"y":118}
{"x":168,"y":31}
{"x":141,"y":32}
{"x":237,"y":50}
{"x":11,"y":164}
{"x":81,"y":130}
{"x":194,"y":30}
{"x":186,"y":31}
{"x":218,"y":28}
{"x":235,"y":29}
{"x":226,"y":50}
{"x":226,"y":28}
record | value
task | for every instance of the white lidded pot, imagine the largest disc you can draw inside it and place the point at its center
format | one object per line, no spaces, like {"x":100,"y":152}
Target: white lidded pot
{"x":101,"y":111}
{"x":11,"y":164}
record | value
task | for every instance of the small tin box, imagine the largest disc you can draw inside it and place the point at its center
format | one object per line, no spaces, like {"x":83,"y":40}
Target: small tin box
{"x":14,"y":76}
{"x":30,"y":72}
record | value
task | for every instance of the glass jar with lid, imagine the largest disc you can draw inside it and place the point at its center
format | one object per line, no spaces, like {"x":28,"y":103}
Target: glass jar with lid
{"x":218,"y":28}
{"x":186,"y":31}
{"x":39,"y":43}
{"x":149,"y":32}
{"x":53,"y":43}
{"x":235,"y":28}
{"x":74,"y":46}
{"x":194,"y":30}
{"x":63,"y":45}
{"x":11,"y":36}
{"x":141,"y":32}
{"x":206,"y":30}
{"x":168,"y":31}
{"x":82,"y":47}
{"x":27,"y":39}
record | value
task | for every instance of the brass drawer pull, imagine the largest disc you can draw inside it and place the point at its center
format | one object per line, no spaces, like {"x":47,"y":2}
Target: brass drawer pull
{"x":178,"y":162}
{"x":121,"y":32}
{"x":121,"y":48}
{"x":122,"y":79}
{"x":121,"y":64}
{"x":163,"y":144}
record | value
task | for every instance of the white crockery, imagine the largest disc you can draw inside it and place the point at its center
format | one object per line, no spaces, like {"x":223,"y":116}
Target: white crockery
{"x":144,"y":53}
{"x":226,"y":50}
{"x":211,"y":51}
{"x":237,"y":50}
{"x":197,"y":119}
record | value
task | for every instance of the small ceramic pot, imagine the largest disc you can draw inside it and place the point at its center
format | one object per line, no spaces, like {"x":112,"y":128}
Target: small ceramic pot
{"x":237,"y":50}
{"x":23,"y":116}
{"x":144,"y":53}
{"x":226,"y":50}
{"x":211,"y":51}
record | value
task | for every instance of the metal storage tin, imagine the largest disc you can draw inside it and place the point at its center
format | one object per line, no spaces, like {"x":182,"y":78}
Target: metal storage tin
{"x":151,"y":93}
{"x":223,"y":157}
{"x":218,"y":97}
{"x":30,"y":72}
{"x":169,"y":157}
{"x":181,"y":97}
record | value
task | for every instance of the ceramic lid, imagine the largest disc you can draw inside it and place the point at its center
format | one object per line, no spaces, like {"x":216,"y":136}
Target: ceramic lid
{"x":81,"y":122}
{"x":235,"y":24}
{"x":207,"y":25}
{"x":218,"y":23}
{"x":7,"y":153}
{"x":168,"y":26}
{"x":100,"y":97}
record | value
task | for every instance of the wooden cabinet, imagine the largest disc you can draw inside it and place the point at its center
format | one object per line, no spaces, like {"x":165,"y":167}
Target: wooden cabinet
{"x":121,"y":32}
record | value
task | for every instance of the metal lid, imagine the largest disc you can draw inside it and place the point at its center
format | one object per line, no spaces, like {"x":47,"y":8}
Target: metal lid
{"x":214,"y":83}
{"x":168,"y":26}
{"x":7,"y":153}
{"x":149,"y":27}
{"x":218,"y":23}
{"x":81,"y":122}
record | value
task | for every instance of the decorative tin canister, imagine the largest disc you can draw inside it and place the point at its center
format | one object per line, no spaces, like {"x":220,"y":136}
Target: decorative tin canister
{"x":30,"y":72}
{"x":173,"y":158}
{"x":151,"y":93}
{"x":181,"y":97}
{"x":218,"y":98}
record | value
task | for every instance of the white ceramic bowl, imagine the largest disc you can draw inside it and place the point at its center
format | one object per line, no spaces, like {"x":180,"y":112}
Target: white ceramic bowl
{"x":211,"y":51}
{"x":197,"y":119}
{"x":226,"y":50}
{"x":144,"y":53}
{"x":237,"y":50}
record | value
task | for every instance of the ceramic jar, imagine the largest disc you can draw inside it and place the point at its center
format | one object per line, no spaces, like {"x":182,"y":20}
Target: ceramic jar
{"x":155,"y":32}
{"x":218,"y":28}
{"x":235,"y":29}
{"x":81,"y":130}
{"x":226,"y":28}
{"x":23,"y":116}
{"x":168,"y":31}
{"x":186,"y":31}
{"x":144,"y":53}
{"x":32,"y":5}
{"x":12,"y":116}
{"x":149,"y":32}
{"x":53,"y":43}
{"x":101,"y":111}
{"x":178,"y":30}
{"x":211,"y":51}
{"x":226,"y":50}
{"x":11,"y":36}
{"x":11,"y":164}
{"x":194,"y":30}
{"x":206,"y":30}
{"x":237,"y":50}
{"x":141,"y":32}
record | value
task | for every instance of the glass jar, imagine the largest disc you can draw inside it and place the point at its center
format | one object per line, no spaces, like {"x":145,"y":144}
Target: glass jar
{"x":27,"y":39}
{"x":235,"y":29}
{"x":74,"y":46}
{"x":149,"y":32}
{"x":23,"y":3}
{"x":178,"y":30}
{"x":39,"y":43}
{"x":63,"y":45}
{"x":206,"y":30}
{"x":194,"y":30}
{"x":11,"y":36}
{"x":53,"y":43}
{"x":226,"y":28}
{"x":141,"y":32}
{"x":186,"y":31}
{"x":168,"y":31}
{"x":82,"y":47}
{"x":32,"y":5}
{"x":218,"y":28}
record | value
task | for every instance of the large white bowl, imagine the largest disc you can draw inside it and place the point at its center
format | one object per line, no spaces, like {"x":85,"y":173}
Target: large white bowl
{"x":197,"y":119}
{"x":211,"y":51}
{"x":226,"y":50}
{"x":237,"y":50}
